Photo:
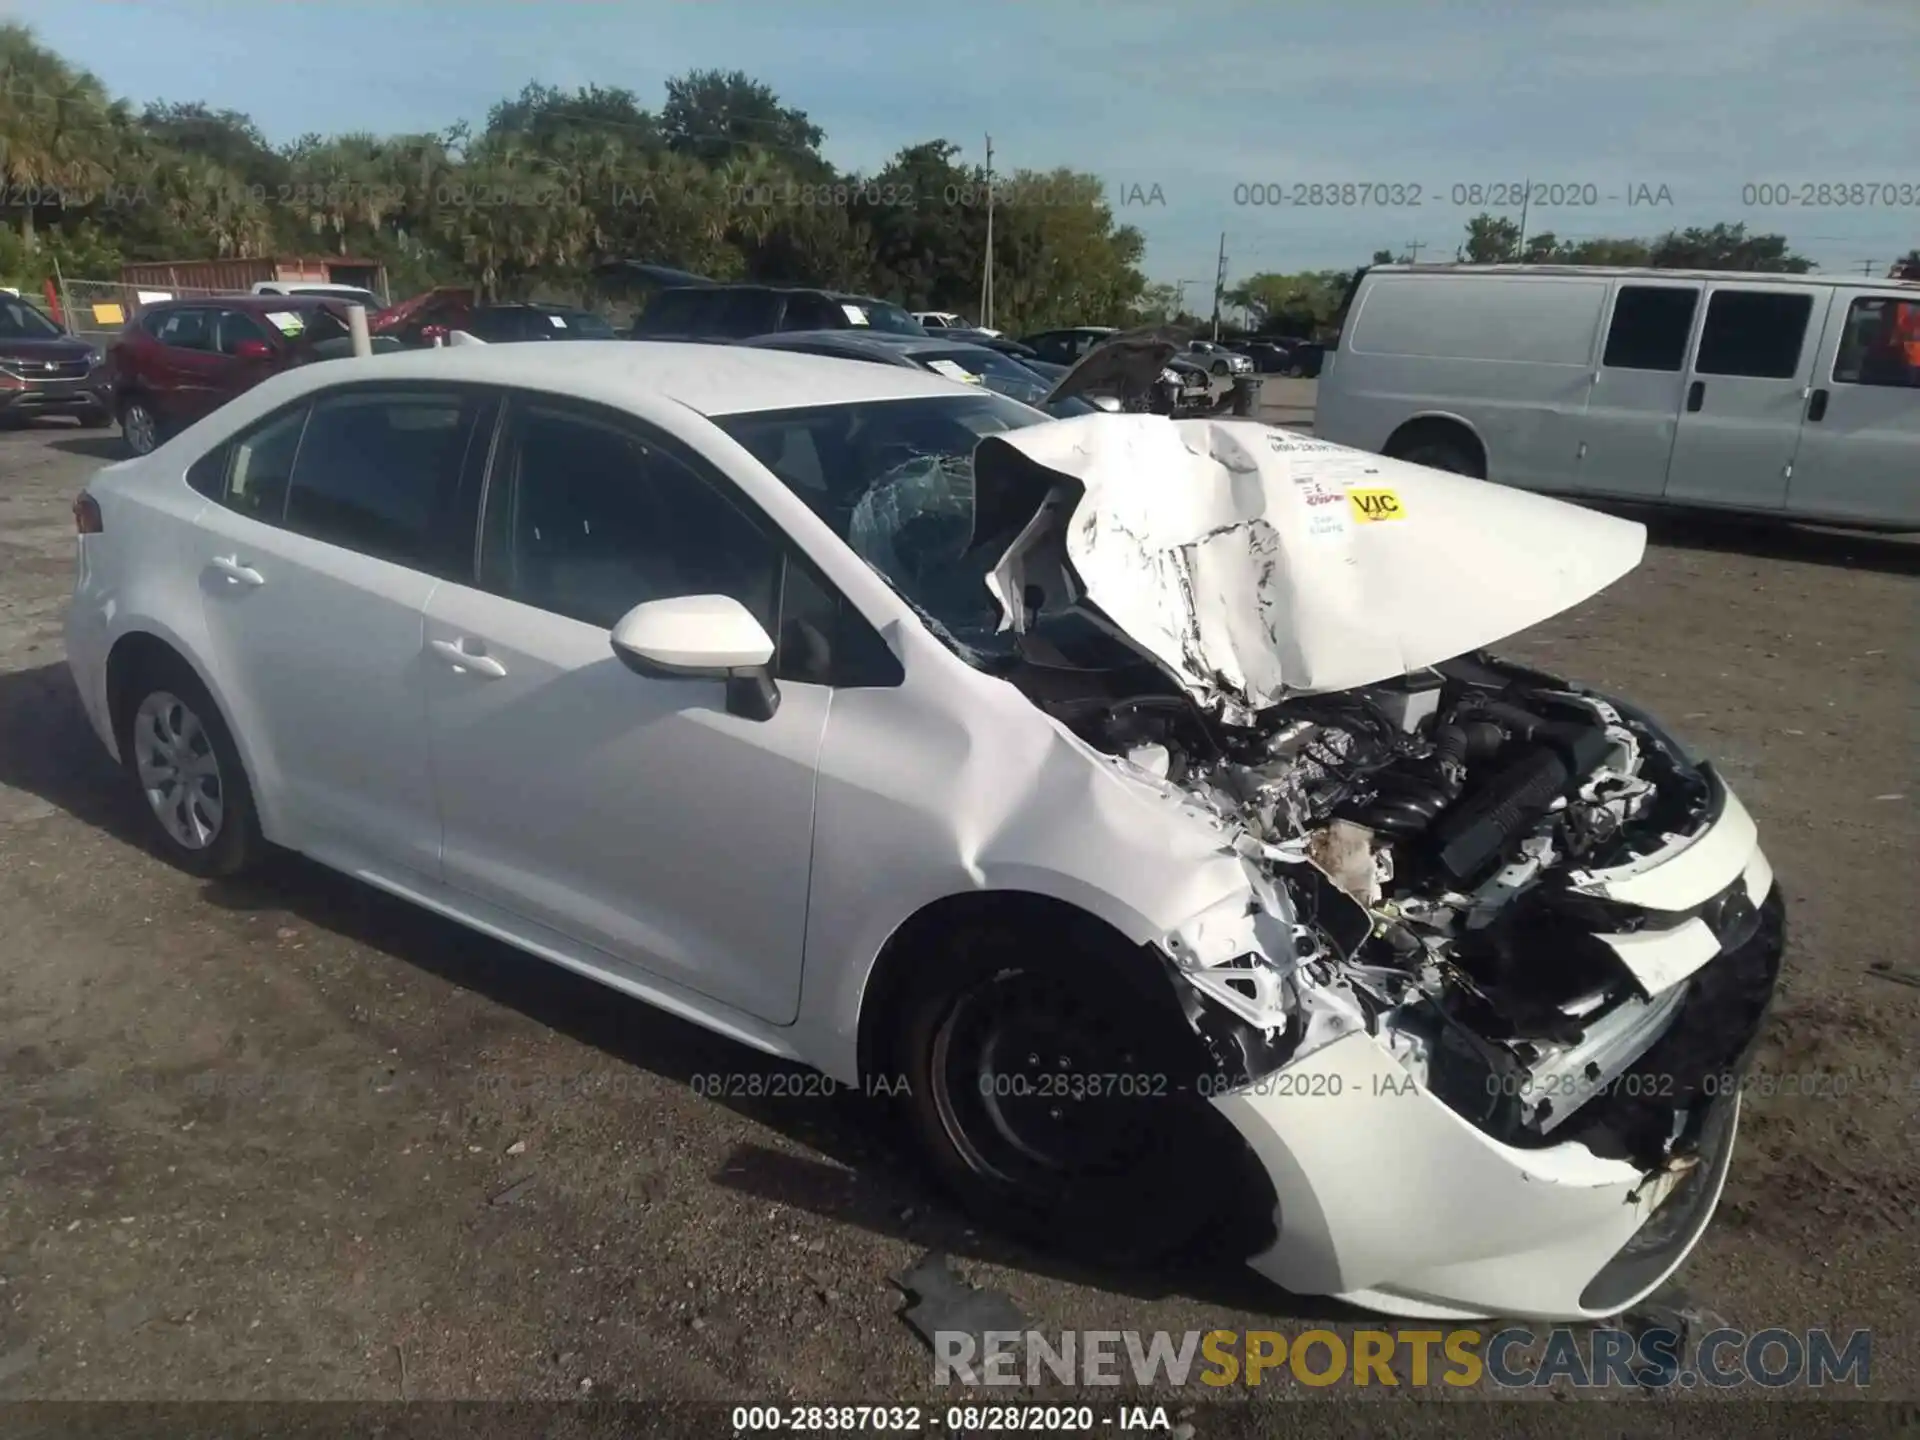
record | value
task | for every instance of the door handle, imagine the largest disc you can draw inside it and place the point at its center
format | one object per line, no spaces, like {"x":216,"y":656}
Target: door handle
{"x":467,"y":662}
{"x":240,"y":574}
{"x":1817,"y":406}
{"x":1696,"y":394}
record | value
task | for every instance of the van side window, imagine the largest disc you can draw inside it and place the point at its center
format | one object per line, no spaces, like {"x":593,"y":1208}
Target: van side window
{"x":1650,"y":327}
{"x":1756,"y":333}
{"x":1880,"y":344}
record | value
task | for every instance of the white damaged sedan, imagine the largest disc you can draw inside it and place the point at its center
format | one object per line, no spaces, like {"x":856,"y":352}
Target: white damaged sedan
{"x":1136,"y":791}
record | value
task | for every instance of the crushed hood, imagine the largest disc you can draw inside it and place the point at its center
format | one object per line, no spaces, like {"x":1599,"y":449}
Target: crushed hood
{"x":1253,"y":562}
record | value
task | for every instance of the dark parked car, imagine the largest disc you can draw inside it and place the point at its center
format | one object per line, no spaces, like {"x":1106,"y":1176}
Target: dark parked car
{"x":1064,"y":347}
{"x":45,"y":371}
{"x":740,"y":312}
{"x":501,"y":324}
{"x":1269,"y":356}
{"x":181,"y":359}
{"x":972,"y":364}
{"x":1305,"y":359}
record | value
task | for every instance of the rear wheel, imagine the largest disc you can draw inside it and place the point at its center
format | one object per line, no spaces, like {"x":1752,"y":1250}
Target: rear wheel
{"x":183,"y":761}
{"x":140,"y":425}
{"x":1439,"y":451}
{"x":1054,"y":1095}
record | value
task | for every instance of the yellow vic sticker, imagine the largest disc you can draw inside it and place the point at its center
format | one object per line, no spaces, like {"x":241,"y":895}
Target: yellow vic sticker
{"x":1370,"y":505}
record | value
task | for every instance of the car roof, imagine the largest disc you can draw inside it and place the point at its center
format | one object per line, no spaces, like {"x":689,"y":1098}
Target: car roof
{"x":1637,"y":272}
{"x":245,"y":301}
{"x":847,"y":296}
{"x":707,"y":379}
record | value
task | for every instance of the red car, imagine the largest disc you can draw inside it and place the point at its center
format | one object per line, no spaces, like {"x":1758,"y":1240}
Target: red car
{"x":178,"y":360}
{"x":421,"y":319}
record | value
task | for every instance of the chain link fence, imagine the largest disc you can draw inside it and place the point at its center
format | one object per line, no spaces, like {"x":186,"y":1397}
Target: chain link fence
{"x":98,"y":310}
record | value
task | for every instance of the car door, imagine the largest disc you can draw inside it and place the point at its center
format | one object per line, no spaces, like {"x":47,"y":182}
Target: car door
{"x":1747,"y":388}
{"x":335,"y":520}
{"x":185,"y":365}
{"x":1633,"y":404}
{"x":1859,"y":455}
{"x":629,"y":814}
{"x":243,"y":372}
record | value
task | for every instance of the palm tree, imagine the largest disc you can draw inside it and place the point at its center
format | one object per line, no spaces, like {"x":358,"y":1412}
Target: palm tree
{"x":54,"y":124}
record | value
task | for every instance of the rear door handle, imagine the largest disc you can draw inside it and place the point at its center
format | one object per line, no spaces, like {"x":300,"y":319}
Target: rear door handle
{"x":240,"y":574}
{"x":1696,"y":394}
{"x":1817,"y":407}
{"x":468,"y":662}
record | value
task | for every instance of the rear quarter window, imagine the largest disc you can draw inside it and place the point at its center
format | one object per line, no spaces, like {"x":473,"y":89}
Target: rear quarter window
{"x":1531,"y":321}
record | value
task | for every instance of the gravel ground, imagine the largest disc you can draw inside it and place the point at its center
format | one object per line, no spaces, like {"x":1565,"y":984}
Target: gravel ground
{"x":292,"y":1139}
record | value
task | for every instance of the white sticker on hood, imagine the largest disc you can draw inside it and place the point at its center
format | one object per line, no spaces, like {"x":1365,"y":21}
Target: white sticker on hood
{"x":953,"y":371}
{"x":855,"y":315}
{"x":558,"y":322}
{"x":286,"y":322}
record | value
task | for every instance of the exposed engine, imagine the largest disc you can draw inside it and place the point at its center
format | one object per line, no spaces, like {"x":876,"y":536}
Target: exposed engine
{"x":1426,"y":831}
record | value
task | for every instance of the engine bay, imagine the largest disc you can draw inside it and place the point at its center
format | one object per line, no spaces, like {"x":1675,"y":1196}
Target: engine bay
{"x":1428,"y":834}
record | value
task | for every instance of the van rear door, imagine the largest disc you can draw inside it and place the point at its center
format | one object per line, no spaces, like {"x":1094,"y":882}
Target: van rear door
{"x":1859,"y":456}
{"x":1740,"y":418}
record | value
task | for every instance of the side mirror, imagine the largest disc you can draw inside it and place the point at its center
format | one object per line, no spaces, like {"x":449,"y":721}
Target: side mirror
{"x":702,"y":637}
{"x":252,"y":350}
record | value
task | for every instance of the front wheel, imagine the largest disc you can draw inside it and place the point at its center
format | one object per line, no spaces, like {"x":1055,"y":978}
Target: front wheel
{"x":182,"y":759}
{"x":1059,"y":1101}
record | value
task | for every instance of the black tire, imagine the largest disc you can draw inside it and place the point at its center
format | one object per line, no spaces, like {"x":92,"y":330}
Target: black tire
{"x":1004,"y":1041}
{"x":235,"y":843}
{"x":140,"y":425}
{"x":1440,"y":452}
{"x":1222,"y":368}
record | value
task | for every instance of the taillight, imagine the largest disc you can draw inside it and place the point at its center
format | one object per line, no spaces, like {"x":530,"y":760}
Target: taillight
{"x":86,"y":515}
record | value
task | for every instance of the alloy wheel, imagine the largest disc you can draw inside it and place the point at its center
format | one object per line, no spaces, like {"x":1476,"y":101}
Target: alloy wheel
{"x":142,"y":430}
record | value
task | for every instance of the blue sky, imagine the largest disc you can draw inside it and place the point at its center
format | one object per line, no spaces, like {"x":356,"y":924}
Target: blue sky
{"x":1212,"y":102}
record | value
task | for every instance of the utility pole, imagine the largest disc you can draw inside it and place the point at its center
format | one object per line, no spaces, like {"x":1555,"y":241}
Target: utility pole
{"x":1866,"y":267}
{"x":1219,"y":284}
{"x":1414,"y":247}
{"x":986,"y":278}
{"x":1520,"y":250}
{"x":1180,"y":296}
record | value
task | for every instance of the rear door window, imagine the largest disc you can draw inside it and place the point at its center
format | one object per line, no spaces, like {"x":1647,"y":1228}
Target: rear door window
{"x":189,"y":329}
{"x":379,"y":472}
{"x":672,"y":312}
{"x":745,"y":313}
{"x":235,"y":327}
{"x":1650,"y":327}
{"x":1754,"y":333}
{"x":809,"y":310}
{"x":256,"y":467}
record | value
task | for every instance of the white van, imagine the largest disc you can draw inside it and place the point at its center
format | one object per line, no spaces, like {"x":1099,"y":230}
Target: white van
{"x":1790,"y":395}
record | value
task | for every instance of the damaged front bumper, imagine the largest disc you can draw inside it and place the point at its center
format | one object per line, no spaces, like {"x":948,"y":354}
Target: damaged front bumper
{"x":1389,"y":1196}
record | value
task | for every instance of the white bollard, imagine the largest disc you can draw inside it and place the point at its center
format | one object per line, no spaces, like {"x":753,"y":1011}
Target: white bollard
{"x":357,"y":328}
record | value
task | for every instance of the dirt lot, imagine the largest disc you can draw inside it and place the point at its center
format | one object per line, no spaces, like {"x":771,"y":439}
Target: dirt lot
{"x":293,"y":1139}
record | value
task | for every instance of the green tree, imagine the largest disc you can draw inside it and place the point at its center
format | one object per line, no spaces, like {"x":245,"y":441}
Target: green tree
{"x":226,"y":138}
{"x":712,"y":114}
{"x":55,"y":128}
{"x":1726,"y":247}
{"x":1300,"y":304}
{"x":1491,"y":239}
